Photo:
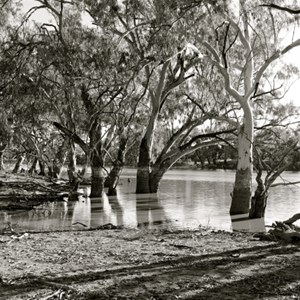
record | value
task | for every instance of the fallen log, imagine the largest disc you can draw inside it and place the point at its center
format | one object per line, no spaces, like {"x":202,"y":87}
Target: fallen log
{"x":15,"y":202}
{"x":35,"y":197}
{"x":34,"y":186}
{"x":293,"y":219}
{"x":283,"y":232}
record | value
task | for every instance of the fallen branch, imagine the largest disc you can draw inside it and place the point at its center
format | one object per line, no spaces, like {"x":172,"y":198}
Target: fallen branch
{"x":293,"y":219}
{"x":28,"y":201}
{"x":283,"y":232}
{"x":54,"y":295}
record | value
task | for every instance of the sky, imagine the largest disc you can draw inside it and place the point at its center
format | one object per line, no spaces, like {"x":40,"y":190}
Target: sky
{"x":292,"y":56}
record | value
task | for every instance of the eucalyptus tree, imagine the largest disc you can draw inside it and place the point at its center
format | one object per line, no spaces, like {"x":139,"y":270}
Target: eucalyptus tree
{"x":275,"y":145}
{"x":6,"y":12}
{"x":241,"y":46}
{"x":196,"y":120}
{"x":128,"y":130}
{"x":26,"y":112}
{"x":84,"y":67}
{"x":5,"y":136}
{"x":152,"y":32}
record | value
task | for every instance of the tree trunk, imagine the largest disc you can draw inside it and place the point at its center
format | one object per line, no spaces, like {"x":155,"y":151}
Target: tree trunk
{"x":144,"y":168}
{"x":83,"y":171}
{"x":242,"y":191}
{"x":97,"y":162}
{"x":259,"y":200}
{"x":42,"y":168}
{"x":112,"y":179}
{"x":18,"y":164}
{"x":97,"y":185}
{"x":32,"y":169}
{"x":55,"y":169}
{"x":258,"y":204}
{"x":72,"y":163}
{"x":143,"y":171}
{"x":1,"y":160}
{"x":156,"y":177}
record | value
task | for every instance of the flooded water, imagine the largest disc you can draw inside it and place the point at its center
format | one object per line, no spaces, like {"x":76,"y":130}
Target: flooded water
{"x":186,"y":199}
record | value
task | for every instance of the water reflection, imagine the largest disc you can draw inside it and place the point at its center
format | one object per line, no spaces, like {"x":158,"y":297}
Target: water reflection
{"x":186,"y":199}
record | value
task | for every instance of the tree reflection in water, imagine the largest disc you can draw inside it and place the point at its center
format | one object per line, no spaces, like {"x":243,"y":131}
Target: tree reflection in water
{"x":186,"y":199}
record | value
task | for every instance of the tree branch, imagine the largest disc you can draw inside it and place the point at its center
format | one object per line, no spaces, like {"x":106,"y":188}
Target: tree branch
{"x":289,"y":10}
{"x":73,"y":136}
{"x":275,"y":56}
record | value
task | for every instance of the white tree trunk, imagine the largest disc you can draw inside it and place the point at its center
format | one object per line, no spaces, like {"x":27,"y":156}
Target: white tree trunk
{"x":243,"y":180}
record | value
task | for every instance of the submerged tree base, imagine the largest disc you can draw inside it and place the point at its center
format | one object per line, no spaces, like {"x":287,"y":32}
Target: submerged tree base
{"x":241,"y":193}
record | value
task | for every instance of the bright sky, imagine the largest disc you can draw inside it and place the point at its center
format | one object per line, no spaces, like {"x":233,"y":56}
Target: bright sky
{"x":291,"y":57}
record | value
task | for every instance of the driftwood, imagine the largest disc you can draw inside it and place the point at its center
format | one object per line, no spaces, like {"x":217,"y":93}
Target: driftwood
{"x":14,"y":202}
{"x":293,"y":219}
{"x":286,"y":232}
{"x":282,"y":231}
{"x":34,"y":186}
{"x":24,"y":192}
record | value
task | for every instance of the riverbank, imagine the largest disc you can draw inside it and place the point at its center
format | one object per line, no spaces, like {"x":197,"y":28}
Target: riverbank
{"x":147,"y":264}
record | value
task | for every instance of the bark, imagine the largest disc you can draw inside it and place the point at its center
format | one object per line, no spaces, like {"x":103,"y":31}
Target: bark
{"x":18,"y":164}
{"x":156,"y":177}
{"x":157,"y":98}
{"x":61,"y":157}
{"x":293,"y":219}
{"x":83,"y":171}
{"x":32,"y":169}
{"x":258,"y":204}
{"x":97,"y":184}
{"x":72,"y":163}
{"x":73,"y":136}
{"x":1,"y":160}
{"x":97,"y":162}
{"x":95,"y":147}
{"x":283,"y":231}
{"x":42,"y":168}
{"x":259,"y":200}
{"x":55,"y":169}
{"x":112,"y":179}
{"x":143,"y":170}
{"x":242,"y":191}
